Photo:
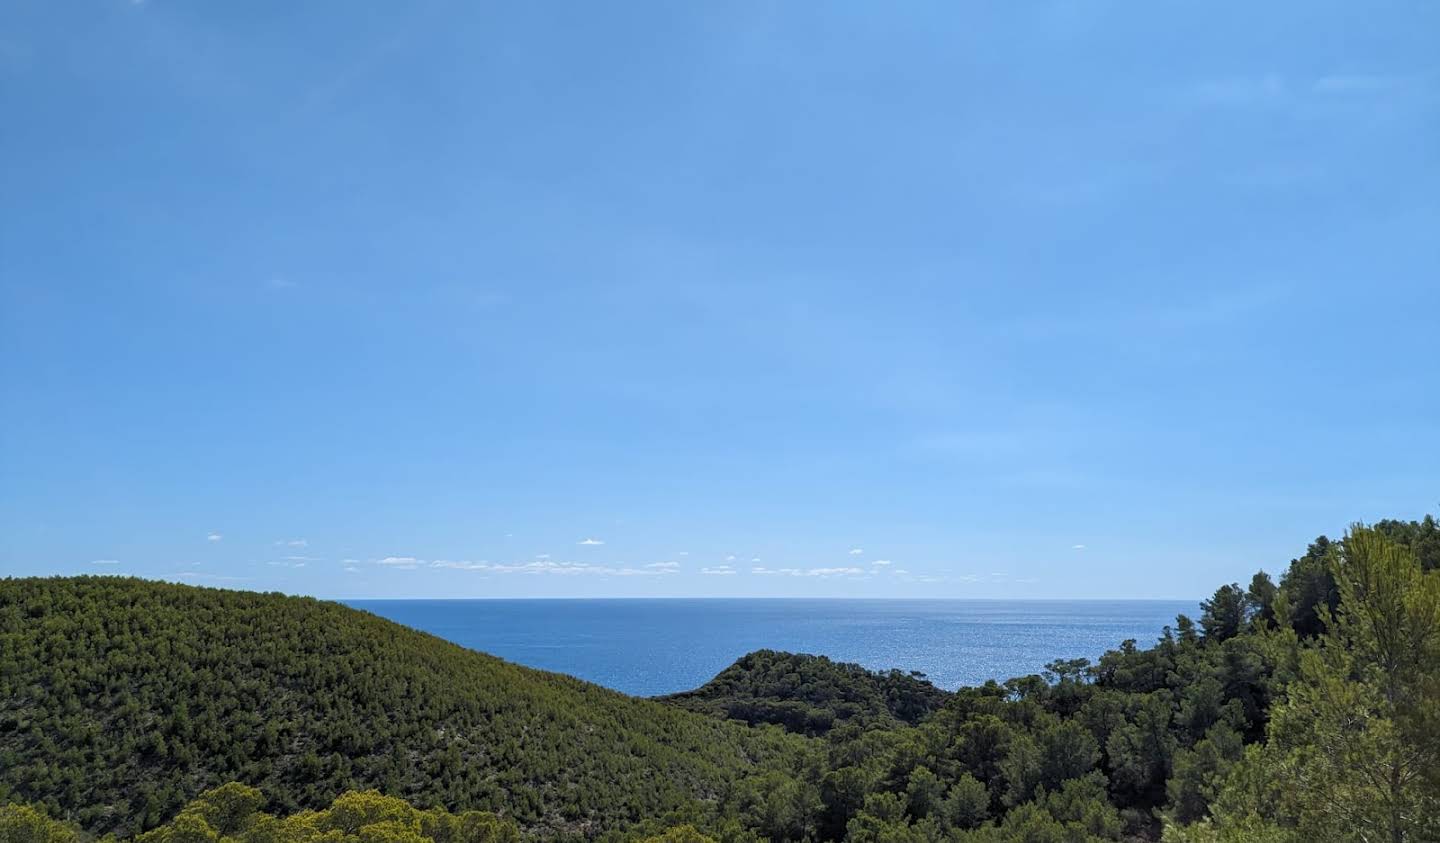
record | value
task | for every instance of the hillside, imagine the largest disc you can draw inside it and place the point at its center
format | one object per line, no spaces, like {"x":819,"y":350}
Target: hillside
{"x":1307,"y":709}
{"x":811,"y":694}
{"x":121,"y":699}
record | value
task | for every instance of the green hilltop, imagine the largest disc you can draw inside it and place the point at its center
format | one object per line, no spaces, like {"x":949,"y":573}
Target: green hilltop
{"x":812,"y":694}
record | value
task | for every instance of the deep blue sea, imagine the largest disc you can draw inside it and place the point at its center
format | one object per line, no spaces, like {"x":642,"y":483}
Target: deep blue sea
{"x":648,"y":647}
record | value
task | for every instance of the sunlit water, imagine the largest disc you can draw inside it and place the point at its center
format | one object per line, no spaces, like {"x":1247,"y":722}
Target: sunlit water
{"x":648,"y":647}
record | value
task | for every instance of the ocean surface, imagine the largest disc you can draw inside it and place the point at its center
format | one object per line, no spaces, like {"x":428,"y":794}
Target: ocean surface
{"x":649,"y":647}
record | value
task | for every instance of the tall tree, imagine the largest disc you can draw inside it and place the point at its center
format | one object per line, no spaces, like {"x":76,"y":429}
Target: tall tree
{"x":1224,"y":613}
{"x":1358,"y":739}
{"x":1260,"y":599}
{"x":1310,"y":589}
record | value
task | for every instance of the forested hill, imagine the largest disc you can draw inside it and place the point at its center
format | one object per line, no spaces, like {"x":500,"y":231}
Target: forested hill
{"x":812,"y":694}
{"x":121,"y":699}
{"x":1295,"y":711}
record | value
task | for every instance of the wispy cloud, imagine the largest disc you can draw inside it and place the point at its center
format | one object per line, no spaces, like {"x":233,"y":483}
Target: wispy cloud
{"x":881,"y":562}
{"x":292,"y":543}
{"x":201,"y":575}
{"x":352,"y":569}
{"x":104,"y":561}
{"x":905,"y":576}
{"x":592,"y":541}
{"x":856,"y":551}
{"x":809,"y":572}
{"x":832,"y":572}
{"x":1271,"y":90}
{"x":718,"y":571}
{"x":1241,"y":90}
{"x":1077,"y":547}
{"x":214,"y":537}
{"x":1361,"y":83}
{"x":535,"y":567}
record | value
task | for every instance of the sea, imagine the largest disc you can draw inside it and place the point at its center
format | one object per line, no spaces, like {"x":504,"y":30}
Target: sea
{"x":648,"y":647}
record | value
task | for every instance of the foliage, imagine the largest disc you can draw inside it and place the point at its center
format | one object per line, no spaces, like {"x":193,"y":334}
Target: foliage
{"x":28,"y":824}
{"x":1357,"y":739}
{"x":231,"y":813}
{"x":812,"y":694}
{"x":120,"y":699}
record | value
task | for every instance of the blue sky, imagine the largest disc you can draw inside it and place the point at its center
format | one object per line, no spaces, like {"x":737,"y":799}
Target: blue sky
{"x":457,"y":299}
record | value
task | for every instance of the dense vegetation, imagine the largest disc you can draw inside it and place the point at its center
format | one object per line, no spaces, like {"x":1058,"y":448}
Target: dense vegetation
{"x":812,"y":694}
{"x":1303,"y":710}
{"x":232,"y":811}
{"x":121,"y":699}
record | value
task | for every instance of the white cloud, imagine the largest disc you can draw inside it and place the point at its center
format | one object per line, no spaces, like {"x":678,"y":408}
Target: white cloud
{"x":214,"y":537}
{"x":279,"y":283}
{"x":833,"y":572}
{"x":200,"y":575}
{"x":755,"y":559}
{"x":808,"y":572}
{"x":536,"y":567}
{"x":292,"y":543}
{"x":683,"y":553}
{"x":856,"y":551}
{"x":350,"y":561}
{"x":730,"y":558}
{"x":1077,"y":547}
{"x":592,"y":541}
{"x":881,"y":562}
{"x":104,"y":561}
{"x":462,"y":565}
{"x":542,"y":556}
{"x":352,"y":569}
{"x":718,"y":571}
